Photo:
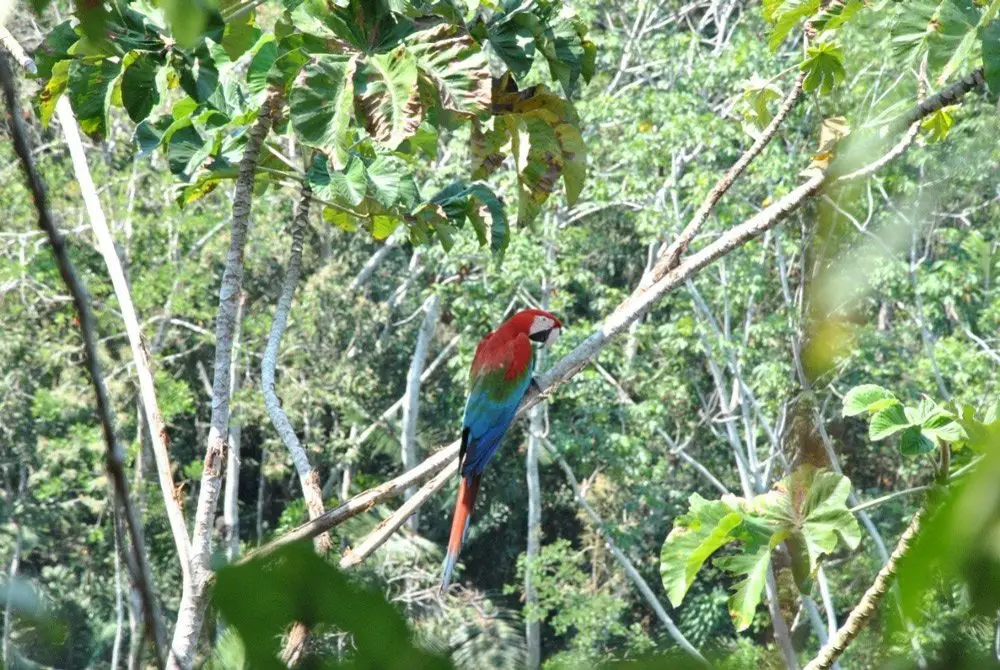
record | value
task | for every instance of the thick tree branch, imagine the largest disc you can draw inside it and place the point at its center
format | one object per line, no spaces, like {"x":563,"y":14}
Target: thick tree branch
{"x":192,"y":609}
{"x":863,"y":611}
{"x":114,"y":456}
{"x":308,"y":479}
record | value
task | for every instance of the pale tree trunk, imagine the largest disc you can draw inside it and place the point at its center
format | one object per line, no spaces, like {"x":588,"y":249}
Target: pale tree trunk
{"x":140,"y":353}
{"x":191,"y":614}
{"x":411,"y":402}
{"x":116,"y":645}
{"x":536,"y":432}
{"x":114,"y":456}
{"x":261,"y":490}
{"x":231,"y":495}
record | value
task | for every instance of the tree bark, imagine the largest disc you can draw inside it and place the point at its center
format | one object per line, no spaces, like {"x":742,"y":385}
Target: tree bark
{"x":194,"y":601}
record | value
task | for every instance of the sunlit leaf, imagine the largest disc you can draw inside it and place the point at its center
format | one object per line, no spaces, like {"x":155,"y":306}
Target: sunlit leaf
{"x":456,"y":66}
{"x":864,"y":398}
{"x":886,"y":422}
{"x":321,"y":104}
{"x":694,"y":538}
{"x":390,"y":101}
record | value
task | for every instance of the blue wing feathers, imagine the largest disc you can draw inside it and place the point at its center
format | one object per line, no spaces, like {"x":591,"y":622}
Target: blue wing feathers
{"x":487,"y":421}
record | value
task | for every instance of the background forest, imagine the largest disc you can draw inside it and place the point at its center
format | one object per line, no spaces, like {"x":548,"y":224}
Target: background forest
{"x":782,"y":406}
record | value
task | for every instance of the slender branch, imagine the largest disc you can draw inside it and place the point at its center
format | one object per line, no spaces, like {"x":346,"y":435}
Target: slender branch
{"x":886,"y":498}
{"x":192,"y":608}
{"x":670,"y":256}
{"x":308,"y":479}
{"x":863,"y":611}
{"x":384,"y":530}
{"x":626,"y":564}
{"x":140,"y":352}
{"x":114,"y":455}
{"x":411,"y":404}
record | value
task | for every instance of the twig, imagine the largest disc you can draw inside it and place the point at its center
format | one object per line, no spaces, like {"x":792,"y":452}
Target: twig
{"x":670,"y":256}
{"x":114,"y":456}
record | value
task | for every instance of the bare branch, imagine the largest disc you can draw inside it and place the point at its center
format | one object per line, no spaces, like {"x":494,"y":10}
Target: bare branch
{"x":669,"y":257}
{"x":308,"y":479}
{"x":140,"y":352}
{"x":114,"y":455}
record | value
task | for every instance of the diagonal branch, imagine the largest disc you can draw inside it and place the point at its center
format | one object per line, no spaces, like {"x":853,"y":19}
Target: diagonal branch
{"x":140,"y":352}
{"x":308,"y":478}
{"x":671,"y":255}
{"x":626,"y":564}
{"x":114,"y":456}
{"x":863,"y":611}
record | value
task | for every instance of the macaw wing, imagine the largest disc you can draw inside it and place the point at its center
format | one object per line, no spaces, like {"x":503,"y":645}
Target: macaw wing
{"x":498,"y":384}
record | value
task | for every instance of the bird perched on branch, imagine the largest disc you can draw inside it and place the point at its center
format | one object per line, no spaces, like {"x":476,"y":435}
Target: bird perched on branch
{"x":500,"y":376}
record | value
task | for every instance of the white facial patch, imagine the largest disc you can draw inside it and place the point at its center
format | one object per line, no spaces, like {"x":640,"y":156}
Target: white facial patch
{"x":540,"y":323}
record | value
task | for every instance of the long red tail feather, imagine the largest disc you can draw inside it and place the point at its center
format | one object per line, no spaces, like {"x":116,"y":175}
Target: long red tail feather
{"x":467,"y":491}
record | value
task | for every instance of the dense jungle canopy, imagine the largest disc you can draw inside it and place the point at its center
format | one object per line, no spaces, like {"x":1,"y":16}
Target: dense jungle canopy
{"x":248,"y":249}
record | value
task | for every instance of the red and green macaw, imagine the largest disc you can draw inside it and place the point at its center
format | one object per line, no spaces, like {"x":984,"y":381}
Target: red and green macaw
{"x":500,"y":376}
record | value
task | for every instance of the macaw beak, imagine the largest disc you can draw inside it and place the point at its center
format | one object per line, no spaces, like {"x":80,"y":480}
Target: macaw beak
{"x":552,"y":336}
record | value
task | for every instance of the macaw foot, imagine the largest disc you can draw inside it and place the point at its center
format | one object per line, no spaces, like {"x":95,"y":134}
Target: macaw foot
{"x":534,"y":385}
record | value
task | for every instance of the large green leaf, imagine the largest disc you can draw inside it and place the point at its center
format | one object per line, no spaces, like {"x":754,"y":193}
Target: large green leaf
{"x":460,"y":202}
{"x":991,"y":56}
{"x":139,"y":90}
{"x":539,"y":163}
{"x":53,"y":89}
{"x":261,"y":598}
{"x":545,"y":144}
{"x":866,"y":398}
{"x":694,"y":538}
{"x":321,"y":104}
{"x":456,"y":66}
{"x":389,"y":97}
{"x":752,"y":565}
{"x":89,"y":93}
{"x":810,"y":509}
{"x":887,"y":421}
{"x":824,"y":67}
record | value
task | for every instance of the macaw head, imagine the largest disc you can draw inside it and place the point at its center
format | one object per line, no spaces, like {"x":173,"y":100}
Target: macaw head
{"x":540,"y":326}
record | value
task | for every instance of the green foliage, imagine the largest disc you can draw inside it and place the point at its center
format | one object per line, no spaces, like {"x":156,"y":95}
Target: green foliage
{"x":923,"y":427}
{"x":362,"y":83}
{"x":807,"y":511}
{"x":262,"y":597}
